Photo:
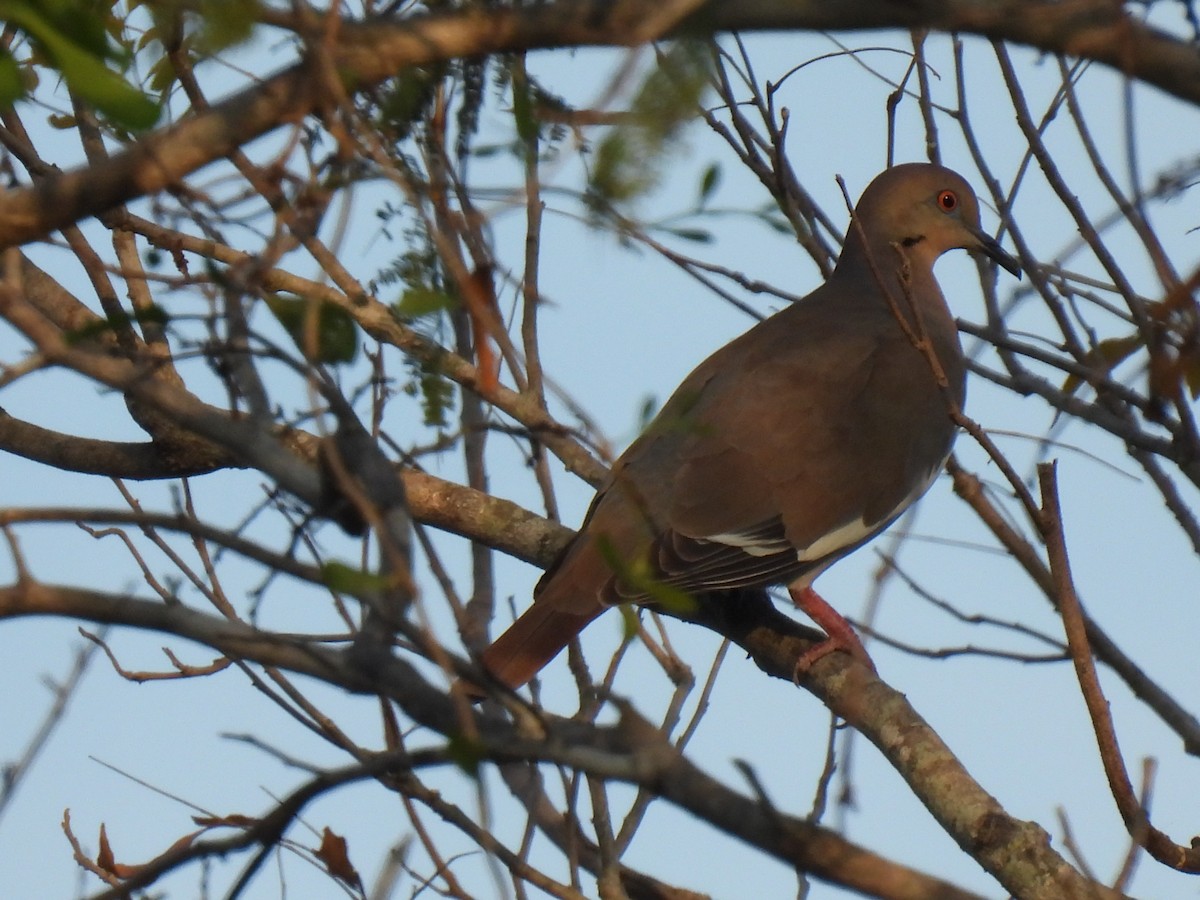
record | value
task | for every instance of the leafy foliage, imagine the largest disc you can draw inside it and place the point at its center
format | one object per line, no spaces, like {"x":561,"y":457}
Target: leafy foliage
{"x":324,"y":332}
{"x":631,"y":157}
{"x":71,"y":37}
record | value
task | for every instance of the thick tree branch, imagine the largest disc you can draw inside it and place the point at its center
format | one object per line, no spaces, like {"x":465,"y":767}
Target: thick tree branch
{"x":1101,"y":30}
{"x":1018,"y":854}
{"x":115,"y":459}
{"x":372,"y":52}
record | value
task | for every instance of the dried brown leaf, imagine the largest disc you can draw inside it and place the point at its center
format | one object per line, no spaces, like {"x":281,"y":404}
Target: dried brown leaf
{"x":335,"y":854}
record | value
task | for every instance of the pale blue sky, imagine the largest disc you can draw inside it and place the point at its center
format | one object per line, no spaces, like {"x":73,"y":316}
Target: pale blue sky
{"x":622,"y":327}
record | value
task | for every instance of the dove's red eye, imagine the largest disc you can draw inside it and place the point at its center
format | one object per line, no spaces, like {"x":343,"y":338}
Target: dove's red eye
{"x":947,"y":201}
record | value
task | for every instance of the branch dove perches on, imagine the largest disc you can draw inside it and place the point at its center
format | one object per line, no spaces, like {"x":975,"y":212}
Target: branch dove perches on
{"x":789,"y":447}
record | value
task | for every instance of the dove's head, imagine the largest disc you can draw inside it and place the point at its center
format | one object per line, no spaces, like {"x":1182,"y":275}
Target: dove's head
{"x":925,"y":210}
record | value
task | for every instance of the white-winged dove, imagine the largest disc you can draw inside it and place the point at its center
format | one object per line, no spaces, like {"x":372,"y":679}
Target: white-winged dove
{"x":789,"y":447}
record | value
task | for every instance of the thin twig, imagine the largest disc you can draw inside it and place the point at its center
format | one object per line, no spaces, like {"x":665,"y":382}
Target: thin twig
{"x":1157,"y":844}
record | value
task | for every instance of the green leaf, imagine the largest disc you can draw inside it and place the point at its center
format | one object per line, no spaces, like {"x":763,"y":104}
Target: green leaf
{"x":109,"y":324}
{"x":162,"y":74}
{"x":83,"y":22}
{"x":227,"y":22}
{"x":1191,"y":377}
{"x":709,"y":183}
{"x":780,"y":224}
{"x":629,"y":622}
{"x":104,"y":89}
{"x":435,"y":390}
{"x":351,"y":580}
{"x":648,"y":411}
{"x":527,"y":126}
{"x":334,"y":328}
{"x":423,"y":301}
{"x":629,"y":160}
{"x":639,"y":576}
{"x":699,"y":235}
{"x":12,"y":86}
{"x":153,"y":313}
{"x":78,"y":51}
{"x":407,"y":97}
{"x":1106,"y":355}
{"x":669,"y":597}
{"x":487,"y":151}
{"x":466,"y":753}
